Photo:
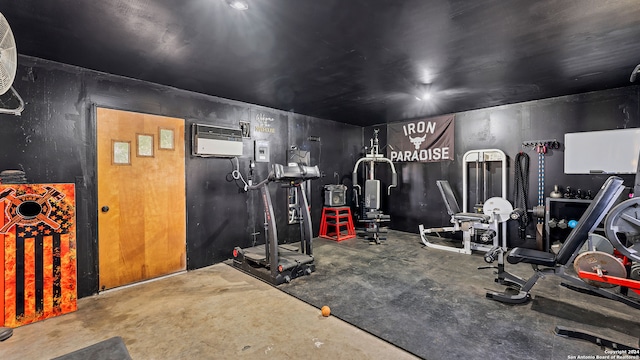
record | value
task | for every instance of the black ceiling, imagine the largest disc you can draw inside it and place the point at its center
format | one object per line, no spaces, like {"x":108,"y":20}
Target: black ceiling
{"x":355,"y":61}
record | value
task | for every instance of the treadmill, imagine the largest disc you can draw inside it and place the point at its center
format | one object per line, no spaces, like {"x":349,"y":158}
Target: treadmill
{"x":272,"y":262}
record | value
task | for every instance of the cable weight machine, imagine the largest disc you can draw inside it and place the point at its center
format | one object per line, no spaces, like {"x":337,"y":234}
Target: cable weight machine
{"x":371,"y":215}
{"x":482,"y":160}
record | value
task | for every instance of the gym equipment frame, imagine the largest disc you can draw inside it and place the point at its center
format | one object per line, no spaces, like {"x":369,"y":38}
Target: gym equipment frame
{"x":272,"y":262}
{"x":484,"y":157}
{"x":372,"y":216}
{"x":495,"y":210}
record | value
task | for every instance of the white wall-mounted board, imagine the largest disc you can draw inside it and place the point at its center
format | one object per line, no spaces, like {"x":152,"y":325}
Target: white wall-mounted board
{"x":608,"y":151}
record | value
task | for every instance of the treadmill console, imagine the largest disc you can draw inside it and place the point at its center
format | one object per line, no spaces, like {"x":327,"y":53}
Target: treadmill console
{"x":295,"y":172}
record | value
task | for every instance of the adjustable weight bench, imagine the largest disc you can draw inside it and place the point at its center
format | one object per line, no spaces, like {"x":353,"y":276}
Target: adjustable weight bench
{"x":545,"y":263}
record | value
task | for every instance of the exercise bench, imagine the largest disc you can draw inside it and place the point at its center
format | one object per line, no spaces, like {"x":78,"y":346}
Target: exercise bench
{"x":546,"y":263}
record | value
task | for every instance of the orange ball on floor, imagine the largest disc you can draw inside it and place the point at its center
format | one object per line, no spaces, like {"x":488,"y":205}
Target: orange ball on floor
{"x":326,"y":311}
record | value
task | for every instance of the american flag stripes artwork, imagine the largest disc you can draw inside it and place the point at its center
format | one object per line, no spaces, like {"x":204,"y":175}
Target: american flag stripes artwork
{"x":38,"y":252}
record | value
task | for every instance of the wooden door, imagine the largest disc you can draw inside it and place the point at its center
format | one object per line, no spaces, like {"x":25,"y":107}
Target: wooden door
{"x":141,"y":197}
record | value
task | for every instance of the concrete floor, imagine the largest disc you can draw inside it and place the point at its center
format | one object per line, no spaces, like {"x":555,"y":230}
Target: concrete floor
{"x":212,"y":313}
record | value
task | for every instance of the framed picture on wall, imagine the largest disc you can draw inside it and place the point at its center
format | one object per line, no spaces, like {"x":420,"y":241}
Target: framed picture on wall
{"x":121,"y":154}
{"x":166,"y":137}
{"x":145,"y":145}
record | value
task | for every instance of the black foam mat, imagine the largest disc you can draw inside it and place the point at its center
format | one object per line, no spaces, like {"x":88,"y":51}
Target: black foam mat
{"x":432,"y":302}
{"x":110,"y":349}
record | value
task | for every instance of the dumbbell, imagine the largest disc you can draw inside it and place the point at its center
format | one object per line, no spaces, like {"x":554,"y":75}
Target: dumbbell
{"x":568,"y":193}
{"x":588,"y":195}
{"x":562,"y":224}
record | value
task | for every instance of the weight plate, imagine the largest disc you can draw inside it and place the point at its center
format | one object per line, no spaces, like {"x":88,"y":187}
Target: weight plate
{"x":635,"y":272}
{"x":499,"y":207}
{"x":622,"y":227}
{"x":599,"y":242}
{"x":589,"y":261}
{"x":538,"y":211}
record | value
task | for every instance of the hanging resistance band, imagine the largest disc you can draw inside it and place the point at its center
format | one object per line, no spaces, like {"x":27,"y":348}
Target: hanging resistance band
{"x":521,"y":189}
{"x":540,"y":183}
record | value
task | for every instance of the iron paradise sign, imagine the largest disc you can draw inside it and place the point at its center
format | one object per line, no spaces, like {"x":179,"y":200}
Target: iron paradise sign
{"x":427,"y":140}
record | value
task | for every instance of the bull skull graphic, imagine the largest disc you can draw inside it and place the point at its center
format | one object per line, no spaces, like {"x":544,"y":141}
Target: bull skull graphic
{"x":417,"y":141}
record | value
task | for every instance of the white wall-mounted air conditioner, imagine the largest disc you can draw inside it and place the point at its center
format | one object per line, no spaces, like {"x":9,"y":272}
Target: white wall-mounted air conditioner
{"x":210,"y":140}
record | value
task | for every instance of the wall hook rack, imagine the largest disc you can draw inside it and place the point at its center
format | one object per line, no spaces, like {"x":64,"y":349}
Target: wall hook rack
{"x":541,"y":145}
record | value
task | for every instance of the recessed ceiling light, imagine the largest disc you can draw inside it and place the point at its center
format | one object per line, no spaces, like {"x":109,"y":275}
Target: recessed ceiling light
{"x":424,"y":92}
{"x":238,"y":4}
{"x":425,"y":96}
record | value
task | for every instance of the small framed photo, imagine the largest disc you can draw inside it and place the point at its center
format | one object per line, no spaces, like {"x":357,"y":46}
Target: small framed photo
{"x":145,"y":145}
{"x":167,"y":139}
{"x":121,"y":152}
{"x":245,"y":129}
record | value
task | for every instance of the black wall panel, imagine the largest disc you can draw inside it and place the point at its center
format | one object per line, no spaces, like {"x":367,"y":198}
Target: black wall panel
{"x":417,"y":201}
{"x":335,"y":148}
{"x":54,"y":141}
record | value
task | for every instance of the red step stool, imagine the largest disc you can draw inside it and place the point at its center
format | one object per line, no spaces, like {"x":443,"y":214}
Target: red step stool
{"x":339,"y":220}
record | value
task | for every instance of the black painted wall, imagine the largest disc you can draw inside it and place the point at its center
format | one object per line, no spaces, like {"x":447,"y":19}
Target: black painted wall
{"x":417,"y":200}
{"x":54,"y":141}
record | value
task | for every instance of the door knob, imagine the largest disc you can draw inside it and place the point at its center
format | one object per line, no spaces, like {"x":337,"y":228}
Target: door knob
{"x":105,"y":209}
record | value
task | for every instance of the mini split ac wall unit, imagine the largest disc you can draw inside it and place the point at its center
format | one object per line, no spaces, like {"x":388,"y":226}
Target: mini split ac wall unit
{"x":216,"y":141}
